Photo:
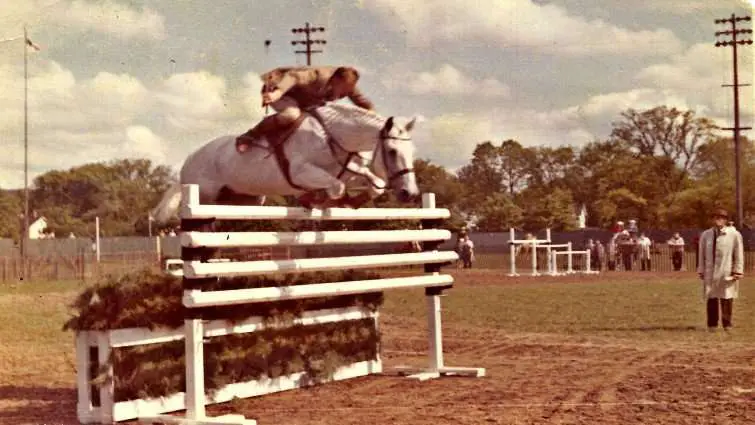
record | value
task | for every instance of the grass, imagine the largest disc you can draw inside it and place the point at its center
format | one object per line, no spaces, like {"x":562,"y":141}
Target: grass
{"x":626,"y":306}
{"x":634,"y":308}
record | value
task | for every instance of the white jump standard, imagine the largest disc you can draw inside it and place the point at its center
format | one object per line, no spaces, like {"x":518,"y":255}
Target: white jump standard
{"x":569,"y":264}
{"x":514,"y":242}
{"x":198,"y":245}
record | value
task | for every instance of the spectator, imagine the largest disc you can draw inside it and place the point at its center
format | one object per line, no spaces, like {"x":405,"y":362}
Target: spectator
{"x":626,"y":246}
{"x":721,"y":266}
{"x":466,"y":251}
{"x":611,"y":263}
{"x":597,"y":256}
{"x":601,"y":254}
{"x":644,"y":244}
{"x":676,"y":244}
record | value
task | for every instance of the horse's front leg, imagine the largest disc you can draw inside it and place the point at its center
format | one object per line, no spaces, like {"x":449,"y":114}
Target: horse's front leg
{"x":316,"y":179}
{"x":375,"y":187}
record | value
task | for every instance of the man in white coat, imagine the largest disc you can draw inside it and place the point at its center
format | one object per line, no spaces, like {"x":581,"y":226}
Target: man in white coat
{"x":721,"y":266}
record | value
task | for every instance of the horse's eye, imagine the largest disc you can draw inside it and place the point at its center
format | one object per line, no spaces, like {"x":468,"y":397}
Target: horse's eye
{"x":393,"y":153}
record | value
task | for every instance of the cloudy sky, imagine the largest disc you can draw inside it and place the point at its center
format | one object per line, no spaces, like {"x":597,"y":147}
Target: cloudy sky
{"x":156,"y":79}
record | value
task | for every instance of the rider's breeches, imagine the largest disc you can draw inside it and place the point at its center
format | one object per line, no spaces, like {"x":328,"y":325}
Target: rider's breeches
{"x":287,"y":109}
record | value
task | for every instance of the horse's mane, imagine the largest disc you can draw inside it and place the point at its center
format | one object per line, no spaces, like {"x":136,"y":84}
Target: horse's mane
{"x":338,"y":111}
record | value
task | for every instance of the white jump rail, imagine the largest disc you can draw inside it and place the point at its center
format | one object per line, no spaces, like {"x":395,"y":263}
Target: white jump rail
{"x":253,"y":239}
{"x":196,"y":266}
{"x":534,"y":243}
{"x":197,"y":269}
{"x":569,"y":264}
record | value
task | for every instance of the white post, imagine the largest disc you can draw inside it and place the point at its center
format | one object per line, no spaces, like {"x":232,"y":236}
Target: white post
{"x":552,"y":261}
{"x":158,"y":249}
{"x":512,"y":252}
{"x":195,"y":408}
{"x":534,"y":258}
{"x":107,"y":387}
{"x":587,"y":256}
{"x":84,"y":388}
{"x":550,"y":242}
{"x":193,"y":342}
{"x":569,"y":268}
{"x":433,"y":311}
{"x":97,"y":237}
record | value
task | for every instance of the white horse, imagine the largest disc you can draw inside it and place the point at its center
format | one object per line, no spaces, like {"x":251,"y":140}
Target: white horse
{"x":332,"y":145}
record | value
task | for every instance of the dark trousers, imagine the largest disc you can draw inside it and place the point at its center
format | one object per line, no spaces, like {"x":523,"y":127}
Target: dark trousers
{"x":726,"y":310}
{"x":645,"y":264}
{"x":676,"y":259}
{"x":627,"y":261}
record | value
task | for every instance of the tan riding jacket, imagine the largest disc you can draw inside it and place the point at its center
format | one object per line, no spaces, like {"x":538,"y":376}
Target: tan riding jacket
{"x":308,"y":85}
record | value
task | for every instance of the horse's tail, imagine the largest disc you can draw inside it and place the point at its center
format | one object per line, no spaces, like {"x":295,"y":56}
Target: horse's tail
{"x":168,"y":206}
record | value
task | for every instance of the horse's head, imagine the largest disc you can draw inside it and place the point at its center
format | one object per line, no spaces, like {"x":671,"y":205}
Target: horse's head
{"x":396,"y":154}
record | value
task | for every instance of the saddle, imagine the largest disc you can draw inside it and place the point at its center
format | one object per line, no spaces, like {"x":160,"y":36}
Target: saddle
{"x":276,"y":140}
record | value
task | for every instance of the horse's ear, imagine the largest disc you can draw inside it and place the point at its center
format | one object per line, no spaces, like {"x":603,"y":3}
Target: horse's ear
{"x":415,"y":119}
{"x":388,"y":125}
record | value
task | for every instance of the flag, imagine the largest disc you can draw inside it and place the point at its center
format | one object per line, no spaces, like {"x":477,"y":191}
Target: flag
{"x":32,"y":45}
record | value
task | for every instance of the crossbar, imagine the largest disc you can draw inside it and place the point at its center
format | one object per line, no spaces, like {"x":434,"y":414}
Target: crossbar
{"x":251,"y":239}
{"x":570,"y":252}
{"x":196,"y":269}
{"x":197,"y":299}
{"x":528,"y":241}
{"x":238,"y":212}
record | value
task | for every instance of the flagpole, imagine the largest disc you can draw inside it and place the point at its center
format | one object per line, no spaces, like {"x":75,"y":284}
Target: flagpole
{"x":24,"y":246}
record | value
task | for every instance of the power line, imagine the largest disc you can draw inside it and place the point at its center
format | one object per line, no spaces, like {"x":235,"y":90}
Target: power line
{"x":733,"y":32}
{"x":308,"y":42}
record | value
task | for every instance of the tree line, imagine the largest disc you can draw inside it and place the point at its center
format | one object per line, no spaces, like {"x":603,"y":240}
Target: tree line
{"x":665,"y":167}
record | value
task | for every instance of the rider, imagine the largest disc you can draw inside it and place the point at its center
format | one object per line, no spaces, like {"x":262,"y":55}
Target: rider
{"x":289,"y":90}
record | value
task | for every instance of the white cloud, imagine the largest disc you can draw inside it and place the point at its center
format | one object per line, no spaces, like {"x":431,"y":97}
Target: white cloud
{"x":449,"y":139}
{"x":143,"y":143}
{"x":520,"y":23}
{"x":695,"y":7}
{"x":689,"y":80}
{"x":73,"y":121}
{"x":115,"y":18}
{"x":106,"y":16}
{"x":193,"y":101}
{"x":447,"y":80}
{"x":697,"y":75}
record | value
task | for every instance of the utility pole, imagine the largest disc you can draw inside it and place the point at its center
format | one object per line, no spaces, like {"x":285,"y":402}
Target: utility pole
{"x":737,"y":148}
{"x":307,"y":42}
{"x":25,"y":235}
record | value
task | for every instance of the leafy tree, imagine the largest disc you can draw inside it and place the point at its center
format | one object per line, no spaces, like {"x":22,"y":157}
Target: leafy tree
{"x":498,"y":213}
{"x":546,"y":208}
{"x":482,"y":176}
{"x":668,"y":133}
{"x":120,"y":193}
{"x":11,"y":208}
{"x":515,"y":164}
{"x":550,"y":167}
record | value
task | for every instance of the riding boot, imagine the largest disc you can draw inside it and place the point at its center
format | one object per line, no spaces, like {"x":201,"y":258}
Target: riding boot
{"x":268,"y":124}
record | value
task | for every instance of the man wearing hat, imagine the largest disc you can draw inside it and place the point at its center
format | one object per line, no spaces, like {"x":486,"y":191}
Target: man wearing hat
{"x":720,"y":266}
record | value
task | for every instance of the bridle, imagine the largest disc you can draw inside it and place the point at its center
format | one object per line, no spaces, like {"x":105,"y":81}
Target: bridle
{"x":383,"y":136}
{"x":381,"y":145}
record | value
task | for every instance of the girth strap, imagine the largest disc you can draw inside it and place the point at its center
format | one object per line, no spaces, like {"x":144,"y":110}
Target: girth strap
{"x":278,"y":146}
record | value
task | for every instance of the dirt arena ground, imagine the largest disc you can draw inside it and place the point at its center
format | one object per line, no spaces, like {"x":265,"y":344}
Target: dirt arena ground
{"x":532,"y":378}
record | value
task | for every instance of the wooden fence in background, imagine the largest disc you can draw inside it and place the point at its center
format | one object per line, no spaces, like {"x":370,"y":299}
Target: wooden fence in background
{"x":85,"y":267}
